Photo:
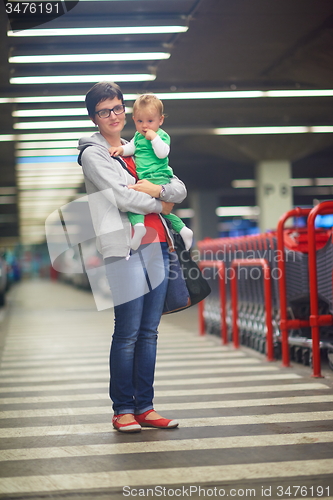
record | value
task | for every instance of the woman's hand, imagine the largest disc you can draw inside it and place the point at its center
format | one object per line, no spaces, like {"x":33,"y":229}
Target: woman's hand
{"x":153,"y":190}
{"x":167,"y":207}
{"x":147,"y":187}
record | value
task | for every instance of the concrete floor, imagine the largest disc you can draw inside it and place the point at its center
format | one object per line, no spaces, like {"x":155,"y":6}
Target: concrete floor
{"x":248,"y":428}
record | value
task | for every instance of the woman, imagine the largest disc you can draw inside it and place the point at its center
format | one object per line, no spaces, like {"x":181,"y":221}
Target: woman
{"x":139,"y":281}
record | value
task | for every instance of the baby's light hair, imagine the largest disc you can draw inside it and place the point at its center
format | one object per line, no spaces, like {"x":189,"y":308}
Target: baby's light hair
{"x":146,"y":101}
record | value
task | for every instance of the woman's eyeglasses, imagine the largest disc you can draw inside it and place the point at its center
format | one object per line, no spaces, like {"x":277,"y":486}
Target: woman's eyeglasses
{"x":105,"y":113}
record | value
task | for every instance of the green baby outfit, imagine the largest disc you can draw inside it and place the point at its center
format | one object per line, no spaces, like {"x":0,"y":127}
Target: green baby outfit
{"x":148,"y":165}
{"x":153,"y":168}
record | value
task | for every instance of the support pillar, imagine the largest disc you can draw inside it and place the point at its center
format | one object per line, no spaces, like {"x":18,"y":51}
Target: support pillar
{"x":205,"y":220}
{"x":273,"y":192}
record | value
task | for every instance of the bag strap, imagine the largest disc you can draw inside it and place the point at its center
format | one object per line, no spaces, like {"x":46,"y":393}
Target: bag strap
{"x":120,"y":160}
{"x":80,"y":154}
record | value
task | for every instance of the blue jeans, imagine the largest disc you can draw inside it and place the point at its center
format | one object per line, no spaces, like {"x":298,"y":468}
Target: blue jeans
{"x":134,"y":342}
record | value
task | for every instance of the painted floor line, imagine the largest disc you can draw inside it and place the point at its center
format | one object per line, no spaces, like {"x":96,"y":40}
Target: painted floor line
{"x":166,"y":476}
{"x":71,"y":332}
{"x":104,"y":359}
{"x":171,"y":382}
{"x":79,"y":353}
{"x":17,"y":328}
{"x":167,"y":446}
{"x":216,"y":370}
{"x":235,"y":360}
{"x":98,"y":410}
{"x":161,"y":351}
{"x":160,"y":393}
{"x":238,"y":390}
{"x":159,"y":373}
{"x":56,"y":430}
{"x":181,"y":339}
{"x":209,"y":355}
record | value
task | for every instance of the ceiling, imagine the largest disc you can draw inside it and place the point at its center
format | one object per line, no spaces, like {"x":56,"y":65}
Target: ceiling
{"x":230,"y":46}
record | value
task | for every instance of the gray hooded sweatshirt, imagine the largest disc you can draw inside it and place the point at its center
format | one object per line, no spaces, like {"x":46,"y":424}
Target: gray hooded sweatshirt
{"x":110,"y":199}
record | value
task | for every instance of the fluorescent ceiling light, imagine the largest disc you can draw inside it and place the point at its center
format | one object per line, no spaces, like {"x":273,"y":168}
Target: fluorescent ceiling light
{"x":32,"y":221}
{"x":7,"y":190}
{"x":237,"y":211}
{"x":33,"y":229}
{"x":257,"y":130}
{"x":260,"y":130}
{"x":31,"y":240}
{"x":49,"y":182}
{"x":45,"y":152}
{"x":7,"y":200}
{"x":243,"y":183}
{"x":49,"y":193}
{"x":234,"y":94}
{"x":324,"y":181}
{"x":48,"y":99}
{"x":48,"y":162}
{"x":321,"y":130}
{"x":45,"y":200}
{"x":50,"y":176}
{"x":299,"y":93}
{"x":124,"y":30}
{"x":7,"y":137}
{"x":263,"y":130}
{"x":56,"y":79}
{"x":28,"y":213}
{"x":244,"y":94}
{"x":8,"y":218}
{"x":23,"y":113}
{"x":185,"y":213}
{"x":227,"y":94}
{"x":54,"y":124}
{"x":40,"y":210}
{"x":295,"y":182}
{"x":55,"y":136}
{"x":301,"y":182}
{"x":59,"y":169}
{"x":45,"y":145}
{"x":43,"y":210}
{"x":47,"y":171}
{"x":52,"y":182}
{"x":63,"y":58}
{"x":35,"y":185}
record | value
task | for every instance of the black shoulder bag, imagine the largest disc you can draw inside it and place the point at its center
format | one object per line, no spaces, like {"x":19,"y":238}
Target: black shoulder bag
{"x":186,"y":284}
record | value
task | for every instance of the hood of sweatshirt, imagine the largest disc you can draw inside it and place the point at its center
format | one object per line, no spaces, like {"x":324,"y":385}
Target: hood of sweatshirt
{"x":94,"y":140}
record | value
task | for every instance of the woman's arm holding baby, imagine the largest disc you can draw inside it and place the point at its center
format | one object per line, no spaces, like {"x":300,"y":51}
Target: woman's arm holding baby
{"x":174,"y":192}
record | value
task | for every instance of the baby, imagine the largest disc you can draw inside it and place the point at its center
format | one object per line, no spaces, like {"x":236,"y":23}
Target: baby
{"x":150,"y":147}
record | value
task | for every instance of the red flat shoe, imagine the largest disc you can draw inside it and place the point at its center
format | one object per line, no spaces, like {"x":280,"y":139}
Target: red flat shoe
{"x":130,"y":427}
{"x":160,"y":423}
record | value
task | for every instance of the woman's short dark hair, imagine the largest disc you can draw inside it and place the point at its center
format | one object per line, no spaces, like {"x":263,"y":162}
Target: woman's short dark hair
{"x":100,"y":92}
